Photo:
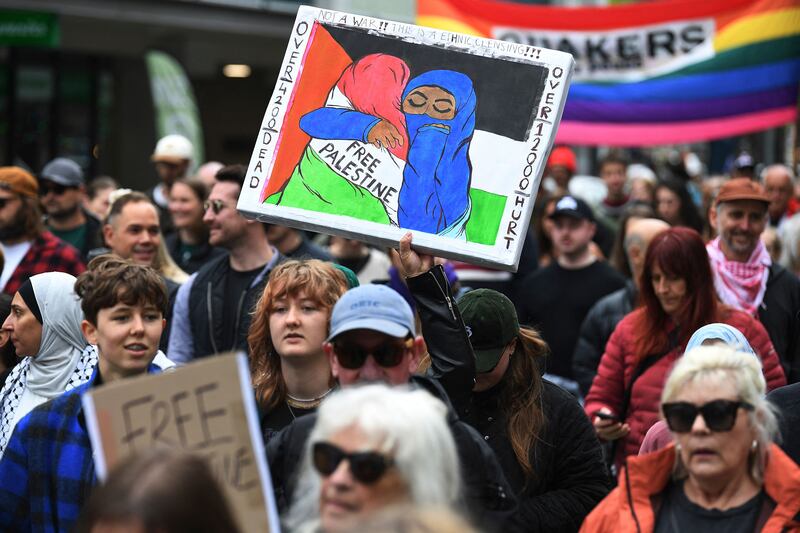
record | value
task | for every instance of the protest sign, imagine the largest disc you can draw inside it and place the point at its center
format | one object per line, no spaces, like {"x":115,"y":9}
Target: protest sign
{"x":205,"y":408}
{"x":376,"y":128}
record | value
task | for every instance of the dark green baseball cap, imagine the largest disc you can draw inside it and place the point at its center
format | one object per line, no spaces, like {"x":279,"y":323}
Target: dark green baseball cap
{"x":491,"y":322}
{"x":349,"y":275}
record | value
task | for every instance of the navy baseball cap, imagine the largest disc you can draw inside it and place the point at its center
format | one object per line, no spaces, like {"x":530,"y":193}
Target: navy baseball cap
{"x":570,"y":206}
{"x":374,"y":307}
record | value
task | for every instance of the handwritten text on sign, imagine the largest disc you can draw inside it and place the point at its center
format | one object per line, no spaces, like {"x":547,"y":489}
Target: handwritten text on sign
{"x":201,"y":408}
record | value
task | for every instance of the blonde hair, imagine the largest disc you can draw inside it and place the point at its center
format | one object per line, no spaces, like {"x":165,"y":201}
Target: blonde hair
{"x":167,"y":266}
{"x":723,"y":364}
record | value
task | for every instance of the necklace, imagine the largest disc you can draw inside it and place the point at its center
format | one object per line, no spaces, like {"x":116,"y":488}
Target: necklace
{"x":299,"y":403}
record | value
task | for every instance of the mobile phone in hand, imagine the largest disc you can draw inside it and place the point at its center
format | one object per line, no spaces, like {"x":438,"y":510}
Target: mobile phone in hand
{"x":607,"y":416}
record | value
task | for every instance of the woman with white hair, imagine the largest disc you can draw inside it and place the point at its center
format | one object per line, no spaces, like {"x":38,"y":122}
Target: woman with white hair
{"x":724,"y":472}
{"x":373,"y":447}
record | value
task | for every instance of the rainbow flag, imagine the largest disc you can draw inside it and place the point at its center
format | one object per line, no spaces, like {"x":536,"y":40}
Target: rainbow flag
{"x":662,"y":72}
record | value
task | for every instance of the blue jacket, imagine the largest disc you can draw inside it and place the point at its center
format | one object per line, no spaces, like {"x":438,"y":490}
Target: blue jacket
{"x":47,"y":472}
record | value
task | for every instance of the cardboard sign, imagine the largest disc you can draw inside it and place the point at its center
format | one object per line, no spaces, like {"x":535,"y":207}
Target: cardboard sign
{"x":376,"y":128}
{"x":205,"y":408}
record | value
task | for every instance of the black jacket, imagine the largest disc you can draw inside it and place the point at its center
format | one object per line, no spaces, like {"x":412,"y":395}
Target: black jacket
{"x":787,"y":400}
{"x":206,"y":300}
{"x":570,"y":477}
{"x":191,"y":262}
{"x":488,"y":498}
{"x":452,"y":359}
{"x":595,"y":331}
{"x":94,"y":234}
{"x":780,"y":315}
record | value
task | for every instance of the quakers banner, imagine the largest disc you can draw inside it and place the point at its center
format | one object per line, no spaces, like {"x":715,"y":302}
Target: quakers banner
{"x":376,"y":128}
{"x":661,"y":72}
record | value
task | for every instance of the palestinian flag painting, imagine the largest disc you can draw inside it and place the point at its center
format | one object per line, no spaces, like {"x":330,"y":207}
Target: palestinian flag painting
{"x":376,"y":128}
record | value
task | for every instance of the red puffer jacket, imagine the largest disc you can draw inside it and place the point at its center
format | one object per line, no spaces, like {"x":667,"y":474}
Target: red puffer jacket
{"x":619,"y":363}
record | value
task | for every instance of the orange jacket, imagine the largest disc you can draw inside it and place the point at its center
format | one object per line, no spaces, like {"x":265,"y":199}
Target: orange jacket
{"x":649,"y":474}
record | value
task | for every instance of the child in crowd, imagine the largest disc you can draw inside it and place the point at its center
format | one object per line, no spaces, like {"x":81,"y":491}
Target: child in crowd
{"x":48,"y":471}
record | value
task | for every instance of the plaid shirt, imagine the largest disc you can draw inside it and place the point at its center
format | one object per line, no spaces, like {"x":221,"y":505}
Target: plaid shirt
{"x":47,"y":471}
{"x":47,"y":253}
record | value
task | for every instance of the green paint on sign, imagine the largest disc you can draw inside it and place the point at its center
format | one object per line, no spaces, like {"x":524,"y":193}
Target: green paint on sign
{"x":487,"y":211}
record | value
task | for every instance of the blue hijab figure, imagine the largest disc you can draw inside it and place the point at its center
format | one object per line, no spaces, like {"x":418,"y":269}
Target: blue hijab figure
{"x":439,"y":107}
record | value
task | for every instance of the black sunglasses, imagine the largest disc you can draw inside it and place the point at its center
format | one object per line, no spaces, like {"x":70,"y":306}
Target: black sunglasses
{"x":387,"y":355}
{"x":215,"y":205}
{"x":4,"y":202}
{"x":719,"y":415}
{"x":366,"y":467}
{"x":55,"y":188}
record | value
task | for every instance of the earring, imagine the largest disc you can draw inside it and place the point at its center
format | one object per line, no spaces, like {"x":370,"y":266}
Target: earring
{"x":754,"y":445}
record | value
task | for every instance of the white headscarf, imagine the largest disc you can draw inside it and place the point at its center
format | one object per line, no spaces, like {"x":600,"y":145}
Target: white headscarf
{"x":62,"y":339}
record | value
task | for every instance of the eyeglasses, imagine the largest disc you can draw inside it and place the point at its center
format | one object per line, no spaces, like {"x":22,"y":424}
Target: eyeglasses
{"x":55,"y":188}
{"x":215,"y":205}
{"x":366,"y":467}
{"x":719,"y":415}
{"x":387,"y":355}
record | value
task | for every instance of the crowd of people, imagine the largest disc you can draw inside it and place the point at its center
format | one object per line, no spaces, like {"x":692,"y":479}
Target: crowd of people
{"x":640,"y":371}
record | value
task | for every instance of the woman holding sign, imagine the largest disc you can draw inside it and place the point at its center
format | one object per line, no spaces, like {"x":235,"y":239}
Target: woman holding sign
{"x":290,"y":371}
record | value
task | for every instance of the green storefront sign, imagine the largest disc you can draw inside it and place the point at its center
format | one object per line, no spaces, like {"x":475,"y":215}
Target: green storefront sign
{"x":26,"y":28}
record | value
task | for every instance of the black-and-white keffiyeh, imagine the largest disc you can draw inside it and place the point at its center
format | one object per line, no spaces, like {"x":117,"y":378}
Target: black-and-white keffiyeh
{"x":15,"y":387}
{"x":10,"y":397}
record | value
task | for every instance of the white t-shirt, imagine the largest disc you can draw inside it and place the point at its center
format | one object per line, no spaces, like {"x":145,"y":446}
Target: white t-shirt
{"x":13,"y":254}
